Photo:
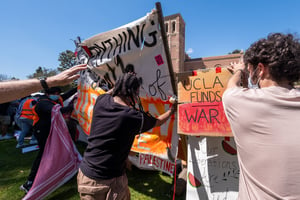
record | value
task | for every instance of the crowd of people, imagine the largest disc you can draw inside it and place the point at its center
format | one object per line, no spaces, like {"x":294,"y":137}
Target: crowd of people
{"x":17,"y":120}
{"x":263,"y":115}
{"x":35,"y":110}
{"x":18,"y":117}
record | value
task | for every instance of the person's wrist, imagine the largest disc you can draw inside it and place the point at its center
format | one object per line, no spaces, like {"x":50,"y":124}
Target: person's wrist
{"x":51,"y":82}
{"x":239,"y":70}
{"x":43,"y":82}
{"x":172,"y":110}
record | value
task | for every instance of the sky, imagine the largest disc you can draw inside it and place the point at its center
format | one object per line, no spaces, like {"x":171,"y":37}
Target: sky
{"x":34,"y":32}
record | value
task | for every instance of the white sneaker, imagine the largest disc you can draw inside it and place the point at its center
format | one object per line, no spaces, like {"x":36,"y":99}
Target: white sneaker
{"x":26,"y":186}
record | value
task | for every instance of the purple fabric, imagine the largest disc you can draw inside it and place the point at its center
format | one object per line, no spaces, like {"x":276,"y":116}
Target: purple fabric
{"x":60,"y":160}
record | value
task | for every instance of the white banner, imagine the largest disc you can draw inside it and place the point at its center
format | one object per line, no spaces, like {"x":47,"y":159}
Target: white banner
{"x":138,"y":46}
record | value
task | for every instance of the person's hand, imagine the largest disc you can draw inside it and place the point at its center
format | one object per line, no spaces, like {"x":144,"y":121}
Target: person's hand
{"x":236,"y":66}
{"x":66,"y":76}
{"x":173,"y":101}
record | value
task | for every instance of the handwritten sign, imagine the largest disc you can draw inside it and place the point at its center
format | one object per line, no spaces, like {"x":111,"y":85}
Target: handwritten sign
{"x":213,"y":171}
{"x":137,"y":47}
{"x":200,"y":110}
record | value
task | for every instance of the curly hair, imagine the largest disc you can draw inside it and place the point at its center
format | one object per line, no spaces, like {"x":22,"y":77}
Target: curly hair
{"x":280,"y":52}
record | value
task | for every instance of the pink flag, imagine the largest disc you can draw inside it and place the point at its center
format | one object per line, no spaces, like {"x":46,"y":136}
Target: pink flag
{"x":60,"y":161}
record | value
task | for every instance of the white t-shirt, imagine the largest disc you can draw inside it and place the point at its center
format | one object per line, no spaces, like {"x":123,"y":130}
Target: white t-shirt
{"x":266,"y":127}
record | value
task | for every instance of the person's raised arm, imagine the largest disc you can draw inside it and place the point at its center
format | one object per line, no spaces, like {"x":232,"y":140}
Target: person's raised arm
{"x":12,"y":90}
{"x":165,"y":116}
{"x":238,"y":75}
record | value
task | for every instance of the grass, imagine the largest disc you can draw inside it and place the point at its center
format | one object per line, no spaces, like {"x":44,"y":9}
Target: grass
{"x":15,"y":167}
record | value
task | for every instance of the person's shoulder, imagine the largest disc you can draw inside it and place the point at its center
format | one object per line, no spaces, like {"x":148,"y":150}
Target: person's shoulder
{"x":235,"y":93}
{"x":104,"y":97}
{"x":234,"y":90}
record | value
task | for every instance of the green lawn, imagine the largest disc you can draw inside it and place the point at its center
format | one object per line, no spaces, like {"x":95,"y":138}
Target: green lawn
{"x":15,"y":166}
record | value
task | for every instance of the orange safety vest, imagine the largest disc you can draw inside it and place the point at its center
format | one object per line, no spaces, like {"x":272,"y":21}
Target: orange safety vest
{"x":36,"y":116}
{"x":27,"y":109}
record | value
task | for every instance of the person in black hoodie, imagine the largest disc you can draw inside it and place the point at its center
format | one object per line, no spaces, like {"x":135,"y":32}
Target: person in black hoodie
{"x":42,"y":125}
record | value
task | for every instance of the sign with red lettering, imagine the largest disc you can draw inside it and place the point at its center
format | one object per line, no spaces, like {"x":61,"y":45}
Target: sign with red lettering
{"x":158,"y":163}
{"x":200,"y":108}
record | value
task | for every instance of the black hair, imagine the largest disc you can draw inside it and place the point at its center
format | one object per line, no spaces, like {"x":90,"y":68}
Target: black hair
{"x":127,"y":87}
{"x":280,"y":52}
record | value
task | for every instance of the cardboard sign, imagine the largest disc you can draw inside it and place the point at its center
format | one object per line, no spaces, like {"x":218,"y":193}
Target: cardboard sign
{"x":200,"y":109}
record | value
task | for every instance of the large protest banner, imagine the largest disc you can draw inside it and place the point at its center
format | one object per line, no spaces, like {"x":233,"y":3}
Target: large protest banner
{"x":139,"y":47}
{"x":200,"y":110}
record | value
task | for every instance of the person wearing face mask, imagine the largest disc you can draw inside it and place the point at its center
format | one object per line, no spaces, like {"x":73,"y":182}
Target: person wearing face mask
{"x":265,"y":116}
{"x":250,"y":80}
{"x":42,"y":124}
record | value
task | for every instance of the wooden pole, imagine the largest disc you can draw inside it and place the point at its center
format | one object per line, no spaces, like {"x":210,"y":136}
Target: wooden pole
{"x":170,"y":66}
{"x":166,"y":46}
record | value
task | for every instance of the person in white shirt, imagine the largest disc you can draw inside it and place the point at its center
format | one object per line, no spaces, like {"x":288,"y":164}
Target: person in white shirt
{"x":265,"y":116}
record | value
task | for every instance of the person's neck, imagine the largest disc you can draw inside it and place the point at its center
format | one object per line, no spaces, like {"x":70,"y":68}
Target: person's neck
{"x":121,"y":101}
{"x":269,"y":83}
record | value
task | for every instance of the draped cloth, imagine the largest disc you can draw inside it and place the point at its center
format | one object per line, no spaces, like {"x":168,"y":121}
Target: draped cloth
{"x":60,"y":161}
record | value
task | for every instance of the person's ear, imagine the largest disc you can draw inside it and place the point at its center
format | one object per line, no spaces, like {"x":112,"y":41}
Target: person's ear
{"x":262,"y":69}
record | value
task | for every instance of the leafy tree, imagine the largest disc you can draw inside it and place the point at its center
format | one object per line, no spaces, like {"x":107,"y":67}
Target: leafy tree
{"x":67,"y":60}
{"x":42,"y":71}
{"x":236,"y":51}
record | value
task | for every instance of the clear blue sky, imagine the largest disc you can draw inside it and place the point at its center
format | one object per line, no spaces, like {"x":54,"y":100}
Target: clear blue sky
{"x":34,"y":32}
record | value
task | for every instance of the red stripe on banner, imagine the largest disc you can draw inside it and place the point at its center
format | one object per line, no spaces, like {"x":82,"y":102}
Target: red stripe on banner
{"x":86,"y":49}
